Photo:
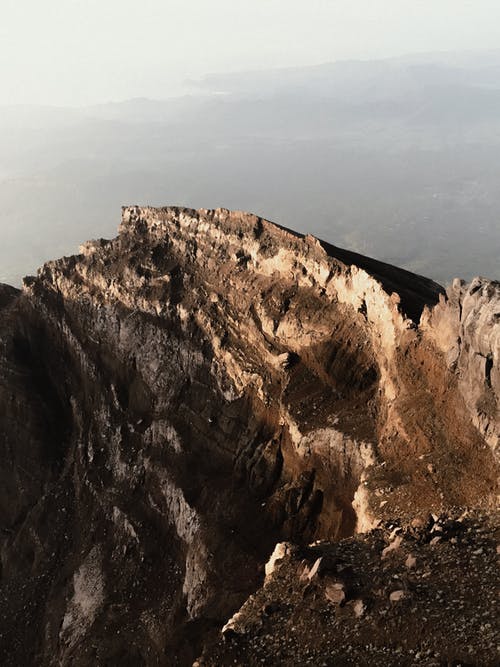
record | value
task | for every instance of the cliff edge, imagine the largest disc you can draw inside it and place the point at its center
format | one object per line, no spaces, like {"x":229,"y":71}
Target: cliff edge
{"x":176,"y":402}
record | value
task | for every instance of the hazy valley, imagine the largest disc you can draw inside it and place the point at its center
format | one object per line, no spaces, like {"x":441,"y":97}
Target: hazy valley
{"x":396,"y":159}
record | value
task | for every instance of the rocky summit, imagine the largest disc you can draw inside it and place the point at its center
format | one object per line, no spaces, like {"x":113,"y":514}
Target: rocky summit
{"x":225,"y":443}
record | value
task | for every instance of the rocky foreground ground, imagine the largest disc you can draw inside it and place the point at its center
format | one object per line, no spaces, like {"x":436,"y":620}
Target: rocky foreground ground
{"x":422,"y":594}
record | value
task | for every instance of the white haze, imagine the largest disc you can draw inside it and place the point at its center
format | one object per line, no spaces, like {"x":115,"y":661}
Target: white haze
{"x":396,"y":156}
{"x":76,"y":52}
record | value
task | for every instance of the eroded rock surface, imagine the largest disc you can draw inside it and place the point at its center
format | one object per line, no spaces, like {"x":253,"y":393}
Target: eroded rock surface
{"x":466,"y":329}
{"x":177,"y":401}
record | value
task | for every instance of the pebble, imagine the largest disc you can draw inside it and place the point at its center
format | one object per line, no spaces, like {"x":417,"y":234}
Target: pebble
{"x":411,"y":562}
{"x":396,"y":596}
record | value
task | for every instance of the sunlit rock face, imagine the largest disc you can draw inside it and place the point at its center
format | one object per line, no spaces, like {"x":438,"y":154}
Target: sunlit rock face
{"x":176,"y":401}
{"x":466,"y":329}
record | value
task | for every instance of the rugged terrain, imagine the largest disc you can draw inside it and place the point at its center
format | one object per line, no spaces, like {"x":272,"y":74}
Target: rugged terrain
{"x":176,"y":402}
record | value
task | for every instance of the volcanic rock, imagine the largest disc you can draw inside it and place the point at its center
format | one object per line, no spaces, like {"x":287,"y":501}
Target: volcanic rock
{"x":177,"y":401}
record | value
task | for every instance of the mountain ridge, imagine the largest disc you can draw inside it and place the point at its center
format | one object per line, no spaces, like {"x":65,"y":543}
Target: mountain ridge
{"x":179,"y":400}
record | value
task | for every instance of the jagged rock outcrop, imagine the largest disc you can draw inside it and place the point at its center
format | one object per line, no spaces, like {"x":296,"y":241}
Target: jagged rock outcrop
{"x":466,"y":329}
{"x":178,"y":400}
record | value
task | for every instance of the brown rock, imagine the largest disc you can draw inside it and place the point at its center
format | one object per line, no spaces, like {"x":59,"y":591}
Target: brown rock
{"x":314,"y":570}
{"x":335,"y":593}
{"x":397,"y":596}
{"x":393,"y":546}
{"x":410,"y":562}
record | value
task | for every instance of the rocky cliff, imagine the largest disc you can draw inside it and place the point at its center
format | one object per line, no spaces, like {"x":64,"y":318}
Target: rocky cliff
{"x":176,"y":402}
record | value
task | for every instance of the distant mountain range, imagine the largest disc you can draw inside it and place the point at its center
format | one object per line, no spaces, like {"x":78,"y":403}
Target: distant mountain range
{"x":396,"y":158}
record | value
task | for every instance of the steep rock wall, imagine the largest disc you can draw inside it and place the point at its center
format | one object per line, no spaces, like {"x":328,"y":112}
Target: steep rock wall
{"x":466,"y":329}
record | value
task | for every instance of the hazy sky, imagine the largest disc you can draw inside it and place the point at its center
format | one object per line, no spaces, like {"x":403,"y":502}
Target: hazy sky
{"x":86,"y":51}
